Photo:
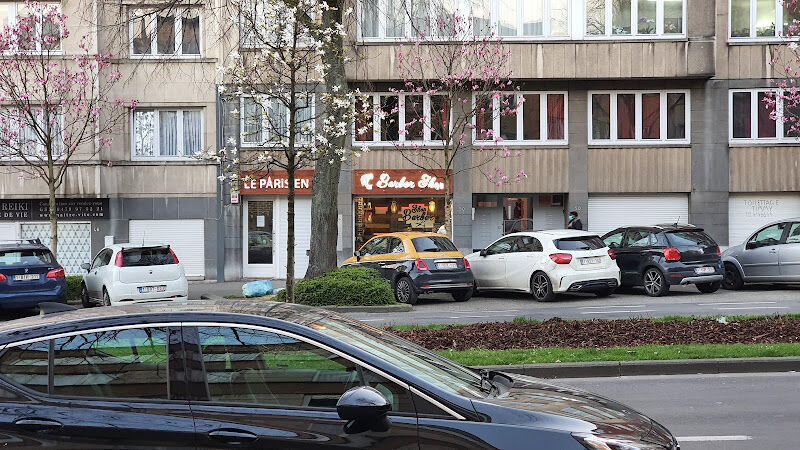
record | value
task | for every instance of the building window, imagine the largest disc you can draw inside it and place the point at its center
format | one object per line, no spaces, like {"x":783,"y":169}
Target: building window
{"x":762,"y":116}
{"x":10,"y":14}
{"x":170,"y":32}
{"x":23,"y":137}
{"x":167,"y":133}
{"x":635,"y":18}
{"x":264,"y":122}
{"x":396,"y":19}
{"x":523,"y":118}
{"x":757,"y":19}
{"x":418,"y":119}
{"x":638,"y":117}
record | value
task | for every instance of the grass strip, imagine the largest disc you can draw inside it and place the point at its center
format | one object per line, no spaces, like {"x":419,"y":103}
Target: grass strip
{"x":482,"y":357}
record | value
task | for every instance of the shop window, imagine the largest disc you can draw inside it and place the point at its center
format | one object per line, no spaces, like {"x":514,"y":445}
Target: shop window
{"x":638,"y":117}
{"x":375,"y":216}
{"x":527,"y":118}
{"x":259,"y":232}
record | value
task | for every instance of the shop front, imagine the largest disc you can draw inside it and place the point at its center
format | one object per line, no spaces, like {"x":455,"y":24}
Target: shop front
{"x":388,"y":201}
{"x":499,"y":214}
{"x":265,"y":226}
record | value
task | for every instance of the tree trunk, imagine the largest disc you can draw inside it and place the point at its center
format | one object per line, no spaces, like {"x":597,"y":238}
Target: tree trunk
{"x":448,"y":200}
{"x":53,"y":220}
{"x":290,"y":236}
{"x":325,"y":185}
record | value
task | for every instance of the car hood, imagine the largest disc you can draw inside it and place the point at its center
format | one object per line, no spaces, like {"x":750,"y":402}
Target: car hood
{"x":733,"y":251}
{"x":534,"y":402}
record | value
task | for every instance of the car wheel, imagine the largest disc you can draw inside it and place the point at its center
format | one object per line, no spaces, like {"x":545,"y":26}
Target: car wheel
{"x":654,"y":283}
{"x":541,"y":287}
{"x":462,"y":295}
{"x":106,"y":298}
{"x":85,"y":302}
{"x":404,"y":291}
{"x":707,"y":288}
{"x":733,"y":279}
{"x":604,"y":292}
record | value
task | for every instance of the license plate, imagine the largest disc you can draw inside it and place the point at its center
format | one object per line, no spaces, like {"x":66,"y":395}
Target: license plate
{"x":702,"y":270}
{"x":28,"y":277}
{"x":447,"y":266}
{"x":585,"y":261}
{"x":151,"y":289}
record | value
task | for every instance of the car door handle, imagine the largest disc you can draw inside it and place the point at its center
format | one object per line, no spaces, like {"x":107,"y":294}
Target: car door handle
{"x":233,"y":436}
{"x":36,"y":424}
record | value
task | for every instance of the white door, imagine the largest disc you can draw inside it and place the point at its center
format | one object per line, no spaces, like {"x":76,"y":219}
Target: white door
{"x":607,"y":212}
{"x":749,"y":212}
{"x":186,"y":237}
{"x":74,"y":242}
{"x":266,"y":232}
{"x":487,"y":226}
{"x":490,"y":270}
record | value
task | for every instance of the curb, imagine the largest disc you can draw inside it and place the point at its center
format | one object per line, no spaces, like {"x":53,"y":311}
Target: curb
{"x":344,"y":309}
{"x":665,"y":367}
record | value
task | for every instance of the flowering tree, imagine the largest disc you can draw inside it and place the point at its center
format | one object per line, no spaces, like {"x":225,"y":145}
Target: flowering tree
{"x":289,"y":121}
{"x":55,"y":109}
{"x":464,"y":80}
{"x":783,"y":105}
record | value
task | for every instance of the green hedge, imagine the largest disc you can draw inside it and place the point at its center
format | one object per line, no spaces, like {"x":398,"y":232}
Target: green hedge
{"x":74,"y":287}
{"x":346,"y":286}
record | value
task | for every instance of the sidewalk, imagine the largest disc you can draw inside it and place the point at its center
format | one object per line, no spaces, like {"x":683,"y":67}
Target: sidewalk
{"x":224,"y":289}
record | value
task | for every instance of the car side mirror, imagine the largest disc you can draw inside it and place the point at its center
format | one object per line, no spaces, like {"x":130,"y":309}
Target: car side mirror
{"x":86,"y":266}
{"x":357,"y":254}
{"x":483,"y":252}
{"x":364,"y":408}
{"x":612,"y":245}
{"x":751,"y":245}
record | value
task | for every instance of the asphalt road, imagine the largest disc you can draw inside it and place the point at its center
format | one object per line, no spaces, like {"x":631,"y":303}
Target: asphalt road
{"x":682,"y":300}
{"x":713,"y":412}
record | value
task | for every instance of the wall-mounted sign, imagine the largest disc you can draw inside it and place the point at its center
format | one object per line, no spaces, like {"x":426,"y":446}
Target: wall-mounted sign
{"x":416,"y":216}
{"x":275,"y":182}
{"x":398,"y":182}
{"x":66,"y":208}
{"x":235,"y":197}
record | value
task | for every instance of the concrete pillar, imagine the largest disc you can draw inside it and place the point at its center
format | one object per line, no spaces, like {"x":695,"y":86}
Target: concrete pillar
{"x":578,"y":156}
{"x":344,"y":246}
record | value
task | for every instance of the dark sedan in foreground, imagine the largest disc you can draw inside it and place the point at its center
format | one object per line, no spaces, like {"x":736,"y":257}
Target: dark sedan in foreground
{"x":271,"y":375}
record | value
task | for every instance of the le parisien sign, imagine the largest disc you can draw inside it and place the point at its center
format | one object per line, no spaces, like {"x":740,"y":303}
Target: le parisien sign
{"x":398,"y":182}
{"x":275,"y":182}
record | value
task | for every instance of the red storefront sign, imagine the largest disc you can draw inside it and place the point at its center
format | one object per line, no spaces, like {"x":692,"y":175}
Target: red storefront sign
{"x":399,"y":182}
{"x":275,"y":182}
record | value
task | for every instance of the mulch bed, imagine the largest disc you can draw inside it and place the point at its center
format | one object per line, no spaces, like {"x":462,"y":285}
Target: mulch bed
{"x":605,"y":333}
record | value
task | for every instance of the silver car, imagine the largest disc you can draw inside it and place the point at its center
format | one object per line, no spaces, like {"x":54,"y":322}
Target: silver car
{"x":771,"y":254}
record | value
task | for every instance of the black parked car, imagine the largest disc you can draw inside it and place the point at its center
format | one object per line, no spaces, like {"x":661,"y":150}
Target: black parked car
{"x":659,"y":256}
{"x":274,"y":375}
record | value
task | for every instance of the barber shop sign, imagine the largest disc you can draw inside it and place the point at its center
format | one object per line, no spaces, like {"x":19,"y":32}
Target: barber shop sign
{"x":396,"y":182}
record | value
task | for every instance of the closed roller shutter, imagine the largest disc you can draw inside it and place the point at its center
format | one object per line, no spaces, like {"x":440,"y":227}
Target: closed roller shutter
{"x":9,"y":231}
{"x":749,"y":212}
{"x":302,"y":235}
{"x":607,"y":212}
{"x":185,"y":237}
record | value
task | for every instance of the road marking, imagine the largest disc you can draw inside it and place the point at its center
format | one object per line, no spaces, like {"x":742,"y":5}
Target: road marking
{"x":371,"y":320}
{"x":611,"y":306}
{"x":617,"y":312}
{"x":736,"y":303}
{"x":482,"y":317}
{"x":713,"y":438}
{"x":755,"y":307}
{"x":501,"y":311}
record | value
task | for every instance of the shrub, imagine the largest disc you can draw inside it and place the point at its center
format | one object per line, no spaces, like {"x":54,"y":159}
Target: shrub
{"x":74,"y":287}
{"x":346,"y":286}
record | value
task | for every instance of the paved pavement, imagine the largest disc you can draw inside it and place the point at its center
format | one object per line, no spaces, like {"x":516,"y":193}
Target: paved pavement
{"x":228,"y":288}
{"x":712,"y":412}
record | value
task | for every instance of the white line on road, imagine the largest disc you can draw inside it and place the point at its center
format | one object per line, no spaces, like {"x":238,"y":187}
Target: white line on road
{"x":617,"y":312}
{"x":755,"y":307}
{"x":611,"y":306}
{"x":736,"y":303}
{"x":713,"y":438}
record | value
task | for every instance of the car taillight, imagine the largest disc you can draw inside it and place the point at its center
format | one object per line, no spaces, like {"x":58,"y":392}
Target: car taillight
{"x":561,"y":258}
{"x":466,"y":264}
{"x":56,"y":273}
{"x":611,"y":254}
{"x":3,"y":277}
{"x":175,"y":257}
{"x":118,"y":259}
{"x":672,"y":254}
{"x":719,"y":253}
{"x":420,"y":264}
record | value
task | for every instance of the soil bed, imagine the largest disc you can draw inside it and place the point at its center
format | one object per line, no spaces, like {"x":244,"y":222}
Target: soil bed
{"x":605,"y":333}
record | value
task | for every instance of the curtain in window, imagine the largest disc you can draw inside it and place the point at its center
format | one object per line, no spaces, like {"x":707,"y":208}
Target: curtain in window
{"x":192,"y":132}
{"x":555,"y":116}
{"x":440,"y":117}
{"x":143,"y":133}
{"x":532,"y":18}
{"x":766,"y":125}
{"x":559,"y":17}
{"x":626,"y":121}
{"x":165,"y":33}
{"x":651,"y":116}
{"x":621,"y":17}
{"x":168,"y":133}
{"x":56,"y":137}
{"x":483,"y":118}
{"x":303,"y":118}
{"x":369,"y":18}
{"x":276,"y":121}
{"x":395,"y":18}
{"x":595,"y":17}
{"x":251,"y":121}
{"x":481,"y":17}
{"x":601,"y":116}
{"x":140,"y":24}
{"x":190,"y":35}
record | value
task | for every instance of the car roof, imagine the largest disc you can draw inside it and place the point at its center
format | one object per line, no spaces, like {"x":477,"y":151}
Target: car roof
{"x":663,"y":226}
{"x":22,"y":246}
{"x":136,"y":245}
{"x":553,"y":234}
{"x":412,"y":234}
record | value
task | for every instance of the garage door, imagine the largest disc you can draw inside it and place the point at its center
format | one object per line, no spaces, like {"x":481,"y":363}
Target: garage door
{"x":607,"y":212}
{"x":185,"y":237}
{"x":748,"y":212}
{"x":8,"y":231}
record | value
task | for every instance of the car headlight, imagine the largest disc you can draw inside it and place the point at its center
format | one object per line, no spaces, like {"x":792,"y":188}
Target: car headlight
{"x":593,"y":442}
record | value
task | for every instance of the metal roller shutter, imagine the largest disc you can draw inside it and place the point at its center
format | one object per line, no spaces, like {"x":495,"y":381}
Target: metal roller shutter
{"x":9,"y":231}
{"x":748,"y":212}
{"x":302,"y":235}
{"x":185,"y":237}
{"x":607,"y":212}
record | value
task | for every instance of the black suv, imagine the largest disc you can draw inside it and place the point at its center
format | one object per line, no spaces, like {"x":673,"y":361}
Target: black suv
{"x":659,"y":256}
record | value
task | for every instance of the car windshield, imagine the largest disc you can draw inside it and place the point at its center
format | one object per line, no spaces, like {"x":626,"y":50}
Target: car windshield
{"x":580,"y":243}
{"x":433,"y":244}
{"x":159,"y":256}
{"x":690,"y":237}
{"x":404,"y":355}
{"x":26,"y":257}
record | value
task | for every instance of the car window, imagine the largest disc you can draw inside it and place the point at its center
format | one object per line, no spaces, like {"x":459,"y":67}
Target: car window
{"x":770,"y":235}
{"x":107,"y":257}
{"x":614,"y":240}
{"x":794,"y":234}
{"x":138,"y":257}
{"x":502,"y":246}
{"x":580,"y":243}
{"x":377,"y":246}
{"x":639,"y":238}
{"x":433,"y":244}
{"x":33,"y":257}
{"x":26,"y":365}
{"x":528,"y":244}
{"x":690,"y":237}
{"x":259,"y":367}
{"x":396,"y":246}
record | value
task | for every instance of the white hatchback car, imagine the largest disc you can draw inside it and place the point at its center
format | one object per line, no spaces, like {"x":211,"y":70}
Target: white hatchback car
{"x":546,"y":263}
{"x":128,"y":273}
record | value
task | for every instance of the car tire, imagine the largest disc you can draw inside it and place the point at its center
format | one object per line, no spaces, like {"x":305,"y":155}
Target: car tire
{"x":708,"y":288}
{"x":607,"y":292}
{"x":654,"y":282}
{"x":462,"y":295}
{"x":733,"y":279}
{"x":541,"y":287}
{"x":106,"y":298}
{"x":404,"y":291}
{"x":85,"y":301}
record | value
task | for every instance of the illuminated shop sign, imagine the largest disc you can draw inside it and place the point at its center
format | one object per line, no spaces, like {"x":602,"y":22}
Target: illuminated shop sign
{"x":397,"y":182}
{"x":275,"y":182}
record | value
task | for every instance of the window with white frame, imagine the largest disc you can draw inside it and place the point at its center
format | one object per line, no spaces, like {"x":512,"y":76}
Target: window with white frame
{"x":762,"y":116}
{"x":392,"y":118}
{"x":523,"y":118}
{"x":635,"y":18}
{"x":757,"y":19}
{"x":10,"y":13}
{"x":167,"y":133}
{"x":26,"y":138}
{"x":166,"y":32}
{"x":264,"y":121}
{"x":398,"y":19}
{"x":638,"y":117}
